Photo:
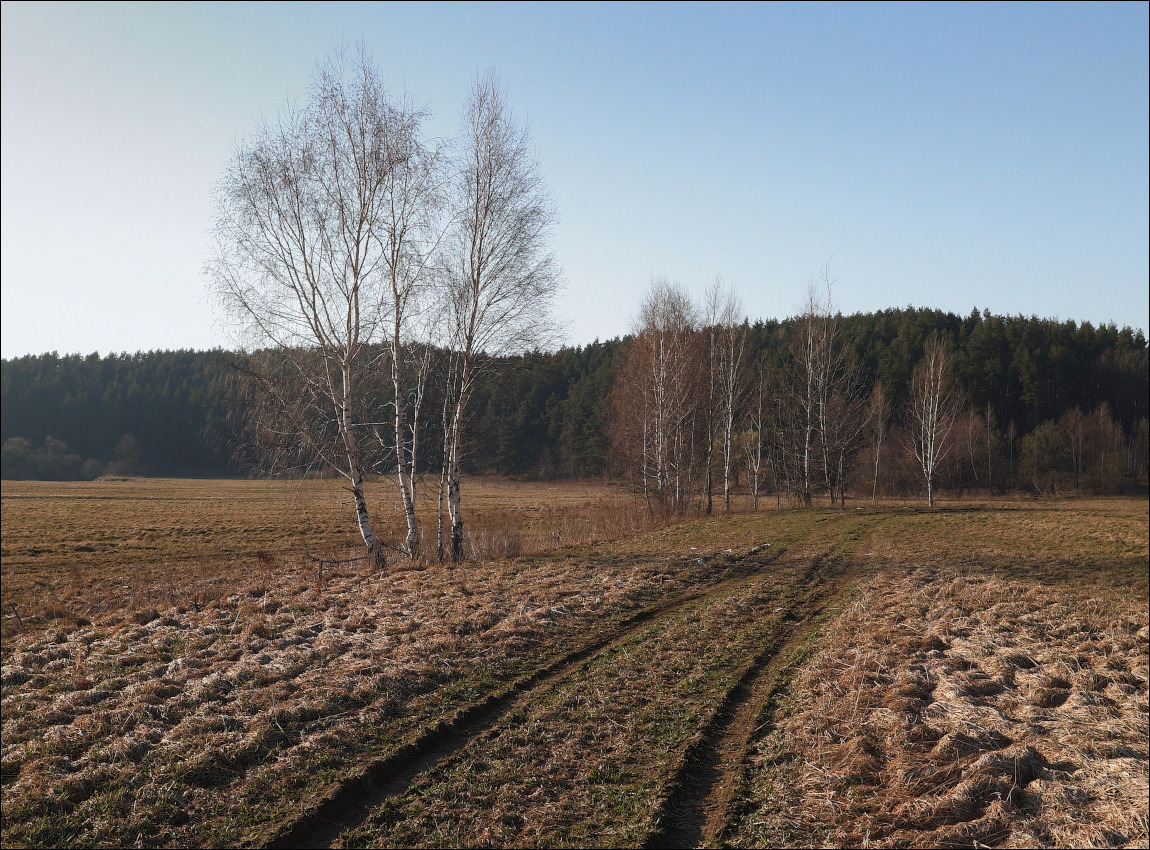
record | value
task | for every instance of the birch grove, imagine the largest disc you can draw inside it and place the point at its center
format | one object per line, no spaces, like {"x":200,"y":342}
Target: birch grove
{"x":682,"y":402}
{"x":658,"y":423}
{"x":347,"y":247}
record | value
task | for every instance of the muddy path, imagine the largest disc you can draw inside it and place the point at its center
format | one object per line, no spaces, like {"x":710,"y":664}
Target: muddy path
{"x":697,"y":808}
{"x":351,"y":803}
{"x":698,"y":798}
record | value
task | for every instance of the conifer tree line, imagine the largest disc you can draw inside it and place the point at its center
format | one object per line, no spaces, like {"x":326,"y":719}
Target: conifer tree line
{"x":547,"y":414}
{"x":158,"y":413}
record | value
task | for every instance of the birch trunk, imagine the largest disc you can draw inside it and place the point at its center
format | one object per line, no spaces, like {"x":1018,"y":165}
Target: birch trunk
{"x":454,"y":470}
{"x":727,"y":434}
{"x":355,"y":474}
{"x":374,"y":550}
{"x":439,"y":512}
{"x":877,"y":455}
{"x":402,"y":461}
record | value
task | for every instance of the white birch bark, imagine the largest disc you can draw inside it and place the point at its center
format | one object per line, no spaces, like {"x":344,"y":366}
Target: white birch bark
{"x":934,"y":404}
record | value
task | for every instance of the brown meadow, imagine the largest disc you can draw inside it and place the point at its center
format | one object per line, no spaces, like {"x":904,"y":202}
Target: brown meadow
{"x":78,"y":550}
{"x":890,"y":676}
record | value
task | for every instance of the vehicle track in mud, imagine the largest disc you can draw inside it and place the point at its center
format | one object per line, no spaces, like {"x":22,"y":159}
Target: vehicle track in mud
{"x":352,"y":802}
{"x":696,"y":809}
{"x":705,"y":796}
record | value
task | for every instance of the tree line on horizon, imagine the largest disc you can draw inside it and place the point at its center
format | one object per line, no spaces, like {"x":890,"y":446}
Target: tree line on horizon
{"x":1049,"y":405}
{"x":829,"y":406}
{"x":392,"y":296}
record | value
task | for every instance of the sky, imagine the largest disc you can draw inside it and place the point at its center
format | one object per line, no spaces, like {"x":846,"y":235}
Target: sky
{"x":947,"y":156}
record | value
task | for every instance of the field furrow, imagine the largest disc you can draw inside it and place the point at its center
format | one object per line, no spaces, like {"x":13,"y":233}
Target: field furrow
{"x":603,"y":738}
{"x":696,"y":809}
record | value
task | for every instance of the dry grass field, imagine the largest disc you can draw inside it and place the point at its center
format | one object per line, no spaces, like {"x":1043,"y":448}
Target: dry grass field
{"x":890,"y":676}
{"x":78,"y":550}
{"x":952,"y":710}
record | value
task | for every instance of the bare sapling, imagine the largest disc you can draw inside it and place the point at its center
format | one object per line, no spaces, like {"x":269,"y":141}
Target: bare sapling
{"x":728,"y":338}
{"x":837,"y":399}
{"x":758,"y":429}
{"x":805,"y":364}
{"x":823,"y":385}
{"x":877,"y":415}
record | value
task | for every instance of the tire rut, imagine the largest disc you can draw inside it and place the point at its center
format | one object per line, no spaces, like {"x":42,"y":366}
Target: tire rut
{"x":696,"y":809}
{"x":349,"y":805}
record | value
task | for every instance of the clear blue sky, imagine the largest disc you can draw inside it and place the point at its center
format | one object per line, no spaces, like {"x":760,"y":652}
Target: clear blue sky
{"x":950,"y":156}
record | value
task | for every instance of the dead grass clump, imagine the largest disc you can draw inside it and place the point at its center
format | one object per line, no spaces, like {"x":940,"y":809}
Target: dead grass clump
{"x":946,"y":709}
{"x":146,"y":616}
{"x":496,"y":536}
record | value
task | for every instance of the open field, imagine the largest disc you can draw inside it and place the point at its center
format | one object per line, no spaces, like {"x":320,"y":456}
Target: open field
{"x":78,"y":550}
{"x":892,"y":676}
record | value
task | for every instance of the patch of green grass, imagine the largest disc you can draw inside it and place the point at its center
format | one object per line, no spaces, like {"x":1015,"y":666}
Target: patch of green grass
{"x":585,"y":761}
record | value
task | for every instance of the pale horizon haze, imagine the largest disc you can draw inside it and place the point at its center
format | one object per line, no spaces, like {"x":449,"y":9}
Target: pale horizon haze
{"x":989,"y":156}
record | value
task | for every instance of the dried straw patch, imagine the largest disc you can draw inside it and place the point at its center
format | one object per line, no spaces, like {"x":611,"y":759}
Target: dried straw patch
{"x":947,"y":710}
{"x":77,"y":551}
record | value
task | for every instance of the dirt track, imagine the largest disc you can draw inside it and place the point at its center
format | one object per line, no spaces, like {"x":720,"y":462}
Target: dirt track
{"x":694,"y":798}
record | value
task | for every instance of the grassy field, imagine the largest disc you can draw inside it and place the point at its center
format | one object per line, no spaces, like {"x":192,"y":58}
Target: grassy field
{"x":947,"y":709}
{"x":78,"y":550}
{"x":890,"y":676}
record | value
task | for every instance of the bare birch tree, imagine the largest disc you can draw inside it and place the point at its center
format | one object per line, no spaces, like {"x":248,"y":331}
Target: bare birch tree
{"x":806,"y":358}
{"x":819,"y":372}
{"x":877,"y":416}
{"x":990,"y":421}
{"x":501,"y":277}
{"x":728,"y":330}
{"x":758,"y":430}
{"x":843,"y":431}
{"x":657,"y":400}
{"x":408,"y":235}
{"x":709,"y":408}
{"x":974,"y":429}
{"x":1072,"y":424}
{"x":934,"y":403}
{"x":838,"y":402}
{"x":300,"y":262}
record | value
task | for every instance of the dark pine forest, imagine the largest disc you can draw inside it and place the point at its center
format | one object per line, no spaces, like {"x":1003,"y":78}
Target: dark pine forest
{"x":548,"y":415}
